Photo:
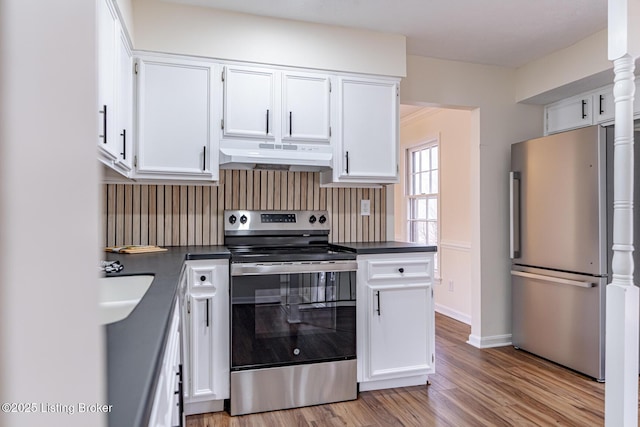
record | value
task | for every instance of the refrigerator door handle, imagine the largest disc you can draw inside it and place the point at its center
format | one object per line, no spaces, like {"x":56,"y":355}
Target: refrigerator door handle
{"x":552,"y":279}
{"x":514,"y":215}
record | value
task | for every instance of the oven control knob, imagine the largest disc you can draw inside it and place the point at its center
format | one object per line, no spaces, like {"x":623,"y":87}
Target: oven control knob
{"x":296,"y":351}
{"x":322,"y":219}
{"x":312,"y":219}
{"x":243,"y":219}
{"x":232,"y":219}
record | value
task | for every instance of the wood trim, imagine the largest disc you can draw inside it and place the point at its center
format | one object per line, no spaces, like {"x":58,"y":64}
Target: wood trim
{"x":180,"y":215}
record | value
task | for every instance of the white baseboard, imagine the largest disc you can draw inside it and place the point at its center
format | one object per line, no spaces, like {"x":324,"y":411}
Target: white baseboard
{"x":205,"y":407}
{"x":394,"y":383}
{"x":454,"y":314}
{"x":489,"y":342}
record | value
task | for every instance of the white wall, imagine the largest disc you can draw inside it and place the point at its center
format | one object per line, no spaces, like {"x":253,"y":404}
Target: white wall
{"x":496,"y":122}
{"x":579,"y":68}
{"x":51,"y":347}
{"x":452,"y":129}
{"x":194,"y":30}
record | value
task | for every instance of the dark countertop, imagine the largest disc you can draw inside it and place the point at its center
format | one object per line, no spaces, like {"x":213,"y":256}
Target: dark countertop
{"x":371,"y":248}
{"x":135,"y":344}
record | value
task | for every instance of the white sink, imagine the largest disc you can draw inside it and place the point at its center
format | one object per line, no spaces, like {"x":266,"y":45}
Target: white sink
{"x":119,"y":295}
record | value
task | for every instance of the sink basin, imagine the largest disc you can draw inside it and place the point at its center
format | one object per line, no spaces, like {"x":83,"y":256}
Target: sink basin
{"x":119,"y":295}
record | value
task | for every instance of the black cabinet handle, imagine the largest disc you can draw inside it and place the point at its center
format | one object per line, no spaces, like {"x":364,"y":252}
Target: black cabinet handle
{"x":207,"y":313}
{"x":204,"y":158}
{"x":181,"y":395}
{"x":290,"y":121}
{"x":267,"y":122}
{"x":584,"y":113}
{"x":124,"y":144}
{"x":401,"y":270}
{"x":347,"y":168}
{"x":378,"y":297}
{"x":104,"y":124}
{"x":601,"y":102}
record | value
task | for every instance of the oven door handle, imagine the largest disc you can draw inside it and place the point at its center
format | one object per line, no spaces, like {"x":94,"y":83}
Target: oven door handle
{"x":257,"y":269}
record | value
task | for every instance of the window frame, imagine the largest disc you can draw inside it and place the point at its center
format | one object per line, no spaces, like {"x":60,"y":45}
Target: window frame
{"x":409,"y":190}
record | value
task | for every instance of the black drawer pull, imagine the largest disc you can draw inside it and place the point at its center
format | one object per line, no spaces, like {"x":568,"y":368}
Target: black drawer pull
{"x":401,"y":270}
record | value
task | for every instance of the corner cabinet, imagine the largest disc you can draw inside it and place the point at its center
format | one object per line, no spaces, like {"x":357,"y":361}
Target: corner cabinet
{"x":175,"y":110}
{"x":396,"y":323}
{"x":205,"y":305}
{"x":366,"y":143}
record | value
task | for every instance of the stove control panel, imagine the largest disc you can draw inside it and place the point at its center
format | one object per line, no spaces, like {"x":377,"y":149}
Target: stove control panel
{"x":248,"y":221}
{"x":277,"y":217}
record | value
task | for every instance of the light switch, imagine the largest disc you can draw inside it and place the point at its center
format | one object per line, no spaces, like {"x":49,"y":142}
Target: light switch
{"x":365,"y":207}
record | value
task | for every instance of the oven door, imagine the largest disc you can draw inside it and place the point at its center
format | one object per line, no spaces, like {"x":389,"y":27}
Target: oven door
{"x":292,"y":313}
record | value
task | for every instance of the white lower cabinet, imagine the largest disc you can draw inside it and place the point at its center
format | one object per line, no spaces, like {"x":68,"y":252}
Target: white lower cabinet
{"x":166,"y":405}
{"x":396,"y":329}
{"x":205,"y":289}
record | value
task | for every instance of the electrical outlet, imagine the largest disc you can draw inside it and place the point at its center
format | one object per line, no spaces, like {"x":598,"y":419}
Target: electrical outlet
{"x":450,"y":285}
{"x":365,"y":207}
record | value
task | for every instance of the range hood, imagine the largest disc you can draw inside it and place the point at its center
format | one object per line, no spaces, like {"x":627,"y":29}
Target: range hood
{"x":270,"y":156}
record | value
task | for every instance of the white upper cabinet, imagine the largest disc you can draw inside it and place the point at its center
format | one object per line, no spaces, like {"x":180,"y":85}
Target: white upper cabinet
{"x":108,"y":32}
{"x":175,"y":120}
{"x":569,"y":114}
{"x":124,"y":102}
{"x":274,"y":105}
{"x":603,"y":105}
{"x":249,"y":100}
{"x":590,"y":108}
{"x":366,"y":147}
{"x":115,"y":91}
{"x":306,"y":101}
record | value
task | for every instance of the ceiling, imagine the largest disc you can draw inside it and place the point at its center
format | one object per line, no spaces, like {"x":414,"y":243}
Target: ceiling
{"x":507,"y":33}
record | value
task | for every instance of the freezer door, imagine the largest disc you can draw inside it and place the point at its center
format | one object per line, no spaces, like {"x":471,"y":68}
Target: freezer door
{"x":558,"y":196}
{"x":560,"y":317}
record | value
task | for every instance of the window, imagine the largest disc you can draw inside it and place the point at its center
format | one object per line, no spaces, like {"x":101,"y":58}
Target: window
{"x":422,"y":197}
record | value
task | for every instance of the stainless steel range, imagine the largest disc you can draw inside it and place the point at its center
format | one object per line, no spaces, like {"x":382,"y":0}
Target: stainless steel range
{"x":293,"y":312}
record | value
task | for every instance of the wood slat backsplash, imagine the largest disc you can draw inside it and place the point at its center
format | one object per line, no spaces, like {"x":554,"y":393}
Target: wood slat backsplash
{"x":182,"y":215}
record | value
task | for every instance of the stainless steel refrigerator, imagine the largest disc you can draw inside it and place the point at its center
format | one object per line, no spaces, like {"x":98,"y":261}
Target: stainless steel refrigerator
{"x":561,"y":207}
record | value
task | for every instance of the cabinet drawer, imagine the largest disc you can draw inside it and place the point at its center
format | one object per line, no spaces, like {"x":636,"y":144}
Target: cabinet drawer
{"x":397,"y":270}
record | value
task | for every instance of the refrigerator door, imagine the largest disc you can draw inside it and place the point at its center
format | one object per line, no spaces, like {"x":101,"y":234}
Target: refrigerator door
{"x":558,"y":194}
{"x":560,"y":316}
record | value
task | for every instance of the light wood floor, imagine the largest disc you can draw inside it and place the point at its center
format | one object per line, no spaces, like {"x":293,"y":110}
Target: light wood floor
{"x":472,"y":387}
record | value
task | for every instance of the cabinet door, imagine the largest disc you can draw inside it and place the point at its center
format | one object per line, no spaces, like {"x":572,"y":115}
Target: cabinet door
{"x":107,"y":64}
{"x":569,"y":114}
{"x":175,"y":127}
{"x":603,"y":105}
{"x":399,"y":320}
{"x":124,"y":101}
{"x":207,"y":361}
{"x":202,"y":373}
{"x":249,"y":102}
{"x":368,"y":113}
{"x":636,"y":99}
{"x":305,"y":107}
